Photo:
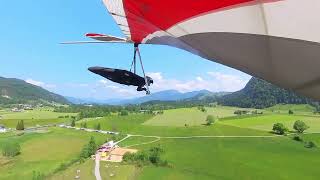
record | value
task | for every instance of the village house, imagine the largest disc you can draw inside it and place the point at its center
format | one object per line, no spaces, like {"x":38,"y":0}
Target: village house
{"x":3,"y":129}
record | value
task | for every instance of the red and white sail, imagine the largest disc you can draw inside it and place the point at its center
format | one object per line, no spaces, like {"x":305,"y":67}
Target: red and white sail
{"x":276,"y":40}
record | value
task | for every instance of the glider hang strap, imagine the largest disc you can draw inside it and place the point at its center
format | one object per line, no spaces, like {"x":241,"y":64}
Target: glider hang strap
{"x":133,"y":64}
{"x":145,"y":77}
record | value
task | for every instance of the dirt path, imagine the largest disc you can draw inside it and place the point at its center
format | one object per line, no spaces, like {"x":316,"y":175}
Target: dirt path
{"x":149,"y":142}
{"x":97,"y":167}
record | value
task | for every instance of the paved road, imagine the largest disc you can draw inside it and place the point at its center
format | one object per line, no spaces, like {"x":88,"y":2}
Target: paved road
{"x":97,"y":168}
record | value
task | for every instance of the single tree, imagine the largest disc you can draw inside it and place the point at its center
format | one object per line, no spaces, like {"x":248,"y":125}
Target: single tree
{"x":20,"y":125}
{"x":290,"y":111}
{"x":300,"y":126}
{"x":124,"y":113}
{"x":92,"y":146}
{"x":85,"y":125}
{"x":279,"y":128}
{"x":98,"y":126}
{"x":73,"y":123}
{"x":210,"y":120}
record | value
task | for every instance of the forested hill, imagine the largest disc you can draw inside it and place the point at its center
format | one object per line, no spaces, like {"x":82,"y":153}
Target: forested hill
{"x":16,"y":91}
{"x":260,"y":94}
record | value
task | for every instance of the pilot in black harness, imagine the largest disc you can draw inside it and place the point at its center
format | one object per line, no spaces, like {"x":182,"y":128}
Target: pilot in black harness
{"x":126,"y":77}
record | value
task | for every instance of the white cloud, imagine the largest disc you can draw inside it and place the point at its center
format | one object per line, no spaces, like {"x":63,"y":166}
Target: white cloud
{"x":103,"y":81}
{"x":34,"y":82}
{"x":105,"y":89}
{"x":215,"y":81}
{"x":228,"y":82}
{"x":115,"y":90}
{"x":199,"y":78}
{"x":41,"y":84}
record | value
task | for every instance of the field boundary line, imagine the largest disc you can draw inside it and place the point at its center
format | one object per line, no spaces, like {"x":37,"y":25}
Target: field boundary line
{"x":149,"y":142}
{"x":217,"y":136}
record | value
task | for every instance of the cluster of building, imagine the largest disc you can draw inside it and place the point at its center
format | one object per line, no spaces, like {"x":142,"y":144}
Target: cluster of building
{"x":110,"y":151}
{"x":106,"y":148}
{"x":22,"y":107}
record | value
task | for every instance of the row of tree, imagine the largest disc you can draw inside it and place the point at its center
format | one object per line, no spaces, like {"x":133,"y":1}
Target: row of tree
{"x":299,"y":126}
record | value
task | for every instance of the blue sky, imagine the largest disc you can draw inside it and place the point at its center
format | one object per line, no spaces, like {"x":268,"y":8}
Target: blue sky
{"x":30,"y":50}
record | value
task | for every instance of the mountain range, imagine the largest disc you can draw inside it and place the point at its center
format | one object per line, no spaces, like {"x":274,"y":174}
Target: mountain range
{"x":167,"y":95}
{"x":256,"y":94}
{"x":16,"y":91}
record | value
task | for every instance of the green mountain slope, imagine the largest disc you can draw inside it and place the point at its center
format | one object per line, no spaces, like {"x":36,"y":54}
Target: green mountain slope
{"x":261,"y":94}
{"x":13,"y":91}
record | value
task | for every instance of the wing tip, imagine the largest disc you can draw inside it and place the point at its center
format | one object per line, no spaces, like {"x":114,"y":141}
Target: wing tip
{"x":94,"y":35}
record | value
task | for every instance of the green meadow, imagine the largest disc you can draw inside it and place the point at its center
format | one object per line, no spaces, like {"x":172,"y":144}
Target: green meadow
{"x":266,"y":122}
{"x":236,"y":158}
{"x":135,"y":124}
{"x":217,"y":157}
{"x":86,"y":171}
{"x":191,"y":116}
{"x":33,"y":118}
{"x":301,"y":109}
{"x":35,"y":114}
{"x":43,"y":152}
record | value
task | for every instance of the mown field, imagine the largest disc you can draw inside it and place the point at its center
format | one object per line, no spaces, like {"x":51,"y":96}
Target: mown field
{"x":191,"y":116}
{"x":43,"y":152}
{"x":134,"y":124}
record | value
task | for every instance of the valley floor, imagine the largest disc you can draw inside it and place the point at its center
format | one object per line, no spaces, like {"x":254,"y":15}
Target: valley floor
{"x":235,"y":147}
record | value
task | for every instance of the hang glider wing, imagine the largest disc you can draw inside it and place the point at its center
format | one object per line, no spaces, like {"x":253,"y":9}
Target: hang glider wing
{"x":105,"y":38}
{"x":100,"y":38}
{"x":276,"y":40}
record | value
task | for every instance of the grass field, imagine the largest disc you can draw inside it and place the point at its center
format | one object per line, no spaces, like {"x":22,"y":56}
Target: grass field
{"x":86,"y":171}
{"x":35,"y":114}
{"x":236,"y":158}
{"x":34,"y":117}
{"x":12,"y":123}
{"x":301,"y":109}
{"x":194,"y":158}
{"x":44,"y":152}
{"x":133,"y":124}
{"x":191,"y":116}
{"x":118,"y":172}
{"x":266,"y":122}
